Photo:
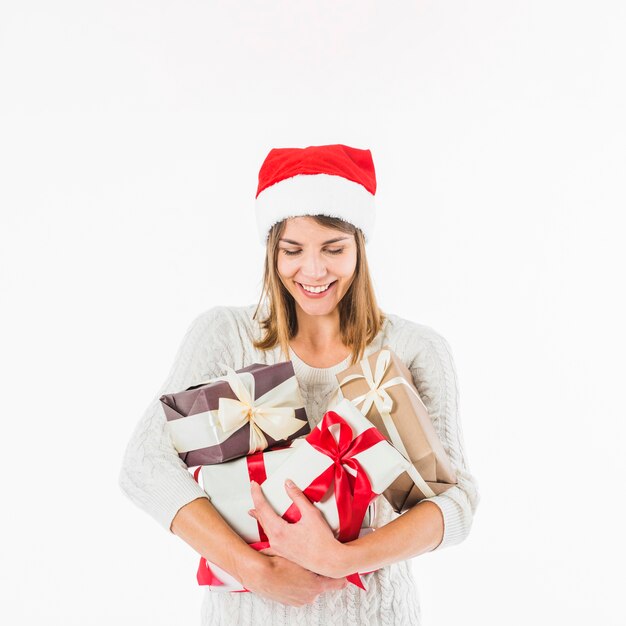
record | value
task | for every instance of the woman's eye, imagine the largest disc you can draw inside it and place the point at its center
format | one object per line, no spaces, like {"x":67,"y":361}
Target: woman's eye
{"x":294,"y":252}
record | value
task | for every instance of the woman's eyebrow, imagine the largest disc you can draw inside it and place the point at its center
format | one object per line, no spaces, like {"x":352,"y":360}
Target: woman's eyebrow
{"x":295,"y":243}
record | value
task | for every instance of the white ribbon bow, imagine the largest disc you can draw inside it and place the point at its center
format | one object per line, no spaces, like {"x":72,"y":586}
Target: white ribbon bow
{"x":378,"y":396}
{"x":272,"y":413}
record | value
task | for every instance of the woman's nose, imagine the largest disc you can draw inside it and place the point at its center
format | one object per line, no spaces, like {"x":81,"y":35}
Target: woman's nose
{"x":313,"y":266}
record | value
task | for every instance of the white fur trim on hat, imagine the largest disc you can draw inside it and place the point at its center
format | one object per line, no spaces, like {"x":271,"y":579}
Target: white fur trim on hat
{"x":315,"y":194}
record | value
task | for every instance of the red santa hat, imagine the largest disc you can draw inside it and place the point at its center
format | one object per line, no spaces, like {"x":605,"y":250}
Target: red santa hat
{"x":334,"y":180}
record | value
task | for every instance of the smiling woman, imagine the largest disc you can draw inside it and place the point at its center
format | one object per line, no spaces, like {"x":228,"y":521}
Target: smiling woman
{"x":309,"y":254}
{"x":317,"y":309}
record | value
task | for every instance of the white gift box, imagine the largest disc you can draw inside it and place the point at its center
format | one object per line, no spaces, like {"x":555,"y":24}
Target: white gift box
{"x":381,"y":462}
{"x":228,"y":486}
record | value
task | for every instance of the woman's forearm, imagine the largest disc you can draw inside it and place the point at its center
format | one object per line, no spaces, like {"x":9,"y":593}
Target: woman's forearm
{"x":417,"y":531}
{"x":204,"y":529}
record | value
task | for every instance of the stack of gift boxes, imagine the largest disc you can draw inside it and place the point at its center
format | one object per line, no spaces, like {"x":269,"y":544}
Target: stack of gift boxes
{"x":251,"y":424}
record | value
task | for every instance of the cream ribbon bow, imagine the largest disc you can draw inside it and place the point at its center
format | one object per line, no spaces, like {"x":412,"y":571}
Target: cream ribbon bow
{"x":378,"y":396}
{"x":273,"y":412}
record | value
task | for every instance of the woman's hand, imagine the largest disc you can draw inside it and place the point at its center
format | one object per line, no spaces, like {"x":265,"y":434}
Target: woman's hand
{"x":283,"y":581}
{"x":310,"y":542}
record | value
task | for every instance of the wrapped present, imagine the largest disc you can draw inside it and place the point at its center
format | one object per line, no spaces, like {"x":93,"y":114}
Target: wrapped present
{"x":228,"y":487}
{"x":218,"y":579}
{"x":381,"y":386}
{"x":227,"y":417}
{"x":344,"y":461}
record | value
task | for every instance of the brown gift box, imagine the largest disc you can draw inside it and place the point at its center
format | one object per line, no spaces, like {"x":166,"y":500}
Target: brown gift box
{"x":414,"y":435}
{"x":211,"y":422}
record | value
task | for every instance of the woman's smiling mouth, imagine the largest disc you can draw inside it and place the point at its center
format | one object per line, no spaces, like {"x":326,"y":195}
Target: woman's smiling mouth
{"x":316,"y":292}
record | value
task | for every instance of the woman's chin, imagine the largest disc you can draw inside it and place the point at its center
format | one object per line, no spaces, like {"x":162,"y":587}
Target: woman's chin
{"x":316,"y":308}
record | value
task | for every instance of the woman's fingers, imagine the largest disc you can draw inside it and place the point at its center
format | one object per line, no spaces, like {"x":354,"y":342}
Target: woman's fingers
{"x":261,"y":505}
{"x":305,"y":541}
{"x":291,"y":584}
{"x":263,"y":512}
{"x":298,"y":498}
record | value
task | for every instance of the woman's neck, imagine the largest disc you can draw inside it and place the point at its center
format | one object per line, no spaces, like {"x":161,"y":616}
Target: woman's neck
{"x":317,"y":332}
{"x":318,"y":341}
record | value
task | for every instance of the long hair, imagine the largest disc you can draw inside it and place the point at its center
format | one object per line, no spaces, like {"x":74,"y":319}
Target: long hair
{"x":360,"y":318}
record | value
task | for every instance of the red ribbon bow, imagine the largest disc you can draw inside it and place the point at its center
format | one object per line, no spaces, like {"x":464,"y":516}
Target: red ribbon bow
{"x":353,"y":492}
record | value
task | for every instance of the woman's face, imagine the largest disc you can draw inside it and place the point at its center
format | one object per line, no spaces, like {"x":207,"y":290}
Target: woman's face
{"x":316,"y":257}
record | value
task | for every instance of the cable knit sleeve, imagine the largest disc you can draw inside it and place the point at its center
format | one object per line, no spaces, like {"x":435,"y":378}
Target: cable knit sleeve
{"x":434,"y":374}
{"x":152,"y":474}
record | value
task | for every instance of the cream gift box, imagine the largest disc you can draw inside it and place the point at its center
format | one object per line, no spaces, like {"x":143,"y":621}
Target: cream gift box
{"x":382,"y":387}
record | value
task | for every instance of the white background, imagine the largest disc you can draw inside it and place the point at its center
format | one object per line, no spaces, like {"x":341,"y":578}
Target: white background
{"x":131,"y":134}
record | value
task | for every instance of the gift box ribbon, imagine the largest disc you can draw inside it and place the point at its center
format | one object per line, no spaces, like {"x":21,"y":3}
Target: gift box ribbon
{"x":378,"y":396}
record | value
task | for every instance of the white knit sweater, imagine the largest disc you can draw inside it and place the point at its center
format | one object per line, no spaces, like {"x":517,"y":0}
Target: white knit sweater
{"x":156,"y":480}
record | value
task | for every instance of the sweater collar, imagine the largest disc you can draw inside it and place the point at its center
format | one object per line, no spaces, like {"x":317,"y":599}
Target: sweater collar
{"x":316,"y":375}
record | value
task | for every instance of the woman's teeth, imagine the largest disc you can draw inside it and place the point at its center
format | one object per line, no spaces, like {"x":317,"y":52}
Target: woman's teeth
{"x":316,"y":289}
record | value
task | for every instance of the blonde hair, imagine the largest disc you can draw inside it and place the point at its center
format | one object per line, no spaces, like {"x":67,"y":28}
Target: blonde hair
{"x":360,"y":318}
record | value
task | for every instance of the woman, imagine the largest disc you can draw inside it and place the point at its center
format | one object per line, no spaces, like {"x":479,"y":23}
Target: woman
{"x":318,"y":309}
